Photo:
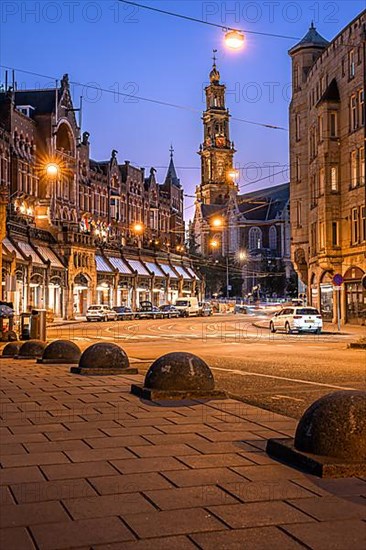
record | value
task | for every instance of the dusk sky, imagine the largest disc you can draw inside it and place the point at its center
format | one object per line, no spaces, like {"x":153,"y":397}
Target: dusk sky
{"x":142,"y":53}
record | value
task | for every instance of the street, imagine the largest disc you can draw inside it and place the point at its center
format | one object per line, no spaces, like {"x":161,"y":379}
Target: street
{"x":280,"y":372}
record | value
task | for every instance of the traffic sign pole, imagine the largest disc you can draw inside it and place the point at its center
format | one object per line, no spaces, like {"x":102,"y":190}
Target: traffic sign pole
{"x":337,"y":285}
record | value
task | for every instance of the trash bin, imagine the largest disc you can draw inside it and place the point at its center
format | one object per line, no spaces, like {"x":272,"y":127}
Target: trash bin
{"x":37,"y":330}
{"x":24,"y":326}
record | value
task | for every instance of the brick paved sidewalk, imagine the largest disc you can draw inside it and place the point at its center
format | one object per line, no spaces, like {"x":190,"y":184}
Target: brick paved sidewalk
{"x":86,"y":465}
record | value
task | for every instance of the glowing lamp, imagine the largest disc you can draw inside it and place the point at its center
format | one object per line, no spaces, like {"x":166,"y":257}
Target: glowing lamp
{"x":217,"y":222}
{"x":52,"y":170}
{"x":234,"y":40}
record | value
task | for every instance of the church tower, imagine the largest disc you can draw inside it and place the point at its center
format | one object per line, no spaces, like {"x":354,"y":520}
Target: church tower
{"x":217,"y":151}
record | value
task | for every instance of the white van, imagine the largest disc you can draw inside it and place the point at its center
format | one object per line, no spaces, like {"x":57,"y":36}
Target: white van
{"x":187,"y":306}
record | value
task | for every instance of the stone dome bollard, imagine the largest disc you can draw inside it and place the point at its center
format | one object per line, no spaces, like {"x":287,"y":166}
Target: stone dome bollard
{"x":11,"y":350}
{"x":60,"y":352}
{"x":178,"y":375}
{"x":103,"y":359}
{"x":31,"y":349}
{"x":330,"y":439}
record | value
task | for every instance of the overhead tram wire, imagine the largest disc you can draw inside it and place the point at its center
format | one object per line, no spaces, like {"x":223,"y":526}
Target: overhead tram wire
{"x":203,"y":22}
{"x":140,"y":98}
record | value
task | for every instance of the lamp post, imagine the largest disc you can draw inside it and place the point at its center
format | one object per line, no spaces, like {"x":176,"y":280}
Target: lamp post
{"x":234,"y":39}
{"x":138,"y":229}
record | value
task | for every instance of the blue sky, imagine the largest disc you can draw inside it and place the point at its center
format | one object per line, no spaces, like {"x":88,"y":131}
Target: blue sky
{"x":142,"y":53}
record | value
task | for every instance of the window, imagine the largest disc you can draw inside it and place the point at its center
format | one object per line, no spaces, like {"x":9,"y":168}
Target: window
{"x":313,"y":238}
{"x":313,"y":194}
{"x":355,"y":226}
{"x":333,"y":125}
{"x":361,"y":107}
{"x":298,"y":168}
{"x":298,"y":214}
{"x":322,"y":235}
{"x":353,"y":168}
{"x":320,"y":128}
{"x":353,"y":113}
{"x":298,"y":129}
{"x":351,"y":63}
{"x":334,"y":178}
{"x":273,"y":238}
{"x":361,"y":171}
{"x":296,"y":76}
{"x":321,"y":181}
{"x":363,"y":223}
{"x":335,"y":235}
{"x":255,"y":238}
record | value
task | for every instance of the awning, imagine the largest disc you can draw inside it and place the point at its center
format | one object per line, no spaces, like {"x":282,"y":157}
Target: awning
{"x":11,"y":248}
{"x":168,"y":270}
{"x":182,"y":272}
{"x":102,"y":264}
{"x":192,"y":273}
{"x":120,"y":265}
{"x":49,"y":254}
{"x":155,"y":269}
{"x":28,"y":250}
{"x":139,"y":267}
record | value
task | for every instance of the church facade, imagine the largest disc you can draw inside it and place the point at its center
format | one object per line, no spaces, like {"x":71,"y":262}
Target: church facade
{"x":250,"y":231}
{"x":80,"y":231}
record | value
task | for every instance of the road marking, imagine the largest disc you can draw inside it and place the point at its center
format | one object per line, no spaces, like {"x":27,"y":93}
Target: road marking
{"x":276,"y":397}
{"x":309,"y":382}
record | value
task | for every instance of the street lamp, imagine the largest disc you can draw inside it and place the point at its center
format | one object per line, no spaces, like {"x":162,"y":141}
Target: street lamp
{"x":217,"y":222}
{"x":234,"y":39}
{"x":52,"y":169}
{"x":214,"y":244}
{"x":232,"y":174}
{"x":138,"y":228}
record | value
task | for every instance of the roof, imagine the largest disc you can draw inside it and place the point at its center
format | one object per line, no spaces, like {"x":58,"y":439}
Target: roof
{"x":331,"y":93}
{"x":311,"y":39}
{"x":120,"y":265}
{"x":208,"y":210}
{"x":182,"y":272}
{"x":265,"y":204}
{"x":48,"y":254}
{"x":171,"y":176}
{"x":28,"y":250}
{"x":43,"y":101}
{"x":138,"y":266}
{"x":102,"y":265}
{"x":155,"y":269}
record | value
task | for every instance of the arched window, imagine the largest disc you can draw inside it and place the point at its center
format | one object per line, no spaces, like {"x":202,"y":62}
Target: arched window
{"x":255,"y":238}
{"x":273,"y":238}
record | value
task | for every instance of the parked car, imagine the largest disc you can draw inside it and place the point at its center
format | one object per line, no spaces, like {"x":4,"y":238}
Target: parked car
{"x":300,"y":319}
{"x":148,"y":311}
{"x":187,"y":306}
{"x":205,"y":309}
{"x":100,"y":313}
{"x":124,"y":313}
{"x":169,"y":311}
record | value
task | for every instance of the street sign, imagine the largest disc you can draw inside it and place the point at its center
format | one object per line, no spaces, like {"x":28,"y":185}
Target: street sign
{"x":229,"y":287}
{"x":338,"y":279}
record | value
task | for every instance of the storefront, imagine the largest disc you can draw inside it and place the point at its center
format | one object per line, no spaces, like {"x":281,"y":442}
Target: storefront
{"x":160,"y":283}
{"x":326,"y":297}
{"x":143,"y":281}
{"x":187,"y":280}
{"x":355,"y":296}
{"x":105,"y":281}
{"x":125,"y":282}
{"x":56,"y":280}
{"x":81,"y":294}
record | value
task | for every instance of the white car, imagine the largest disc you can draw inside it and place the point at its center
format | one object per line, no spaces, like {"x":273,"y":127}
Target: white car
{"x":101,"y":313}
{"x":299,"y":319}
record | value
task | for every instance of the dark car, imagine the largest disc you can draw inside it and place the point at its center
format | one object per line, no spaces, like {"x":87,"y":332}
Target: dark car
{"x":205,"y":309}
{"x":124,"y":313}
{"x":169,"y":311}
{"x":148,"y":311}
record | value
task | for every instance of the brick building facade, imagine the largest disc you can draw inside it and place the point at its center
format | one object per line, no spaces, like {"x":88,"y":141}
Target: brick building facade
{"x":84,"y":231}
{"x":327,"y":156}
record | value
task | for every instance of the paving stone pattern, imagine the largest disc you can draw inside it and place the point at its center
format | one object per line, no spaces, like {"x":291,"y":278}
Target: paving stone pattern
{"x":84,"y":464}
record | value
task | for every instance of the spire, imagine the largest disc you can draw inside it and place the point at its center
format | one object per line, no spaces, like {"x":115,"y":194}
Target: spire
{"x":171,"y":175}
{"x":214,"y":74}
{"x":311,"y":39}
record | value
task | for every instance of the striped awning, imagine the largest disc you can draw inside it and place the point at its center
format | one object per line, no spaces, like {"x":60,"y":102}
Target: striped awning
{"x":120,"y":265}
{"x":139,"y":267}
{"x":102,"y":265}
{"x":155,"y":269}
{"x":182,"y":272}
{"x":11,"y":248}
{"x":191,"y":272}
{"x":168,"y":270}
{"x":49,"y":254}
{"x":28,"y":250}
